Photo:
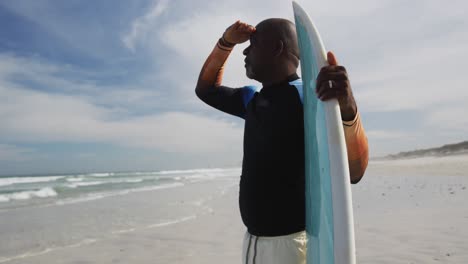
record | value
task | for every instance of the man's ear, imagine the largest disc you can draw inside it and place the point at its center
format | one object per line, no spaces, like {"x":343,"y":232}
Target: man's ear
{"x":278,"y":48}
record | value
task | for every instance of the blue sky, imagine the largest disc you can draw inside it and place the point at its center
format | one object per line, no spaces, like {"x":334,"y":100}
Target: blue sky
{"x":108,"y":85}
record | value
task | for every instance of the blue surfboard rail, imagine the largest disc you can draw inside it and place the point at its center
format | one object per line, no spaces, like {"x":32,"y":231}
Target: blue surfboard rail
{"x":319,"y":213}
{"x":329,"y":216}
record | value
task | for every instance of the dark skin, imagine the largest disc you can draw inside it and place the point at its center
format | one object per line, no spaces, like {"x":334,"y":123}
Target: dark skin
{"x":273,"y":56}
{"x":341,"y":88}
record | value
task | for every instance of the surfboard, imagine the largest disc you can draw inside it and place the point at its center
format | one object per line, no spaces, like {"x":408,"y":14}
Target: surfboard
{"x":329,"y":212}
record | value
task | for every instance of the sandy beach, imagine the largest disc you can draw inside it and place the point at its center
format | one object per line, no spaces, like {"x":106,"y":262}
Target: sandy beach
{"x":406,"y":211}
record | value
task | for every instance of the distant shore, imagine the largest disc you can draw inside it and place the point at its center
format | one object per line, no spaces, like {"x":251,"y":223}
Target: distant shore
{"x":443,"y":151}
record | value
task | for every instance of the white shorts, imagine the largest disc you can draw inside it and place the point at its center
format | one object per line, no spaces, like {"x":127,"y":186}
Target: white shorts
{"x":289,"y":249}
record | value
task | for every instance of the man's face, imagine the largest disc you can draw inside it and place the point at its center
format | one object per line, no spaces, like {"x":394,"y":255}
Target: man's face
{"x":258,"y":59}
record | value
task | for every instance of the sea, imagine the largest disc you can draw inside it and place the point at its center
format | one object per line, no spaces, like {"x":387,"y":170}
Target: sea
{"x":48,"y":190}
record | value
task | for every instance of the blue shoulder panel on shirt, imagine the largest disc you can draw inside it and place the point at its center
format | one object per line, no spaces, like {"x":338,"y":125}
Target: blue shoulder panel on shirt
{"x":298,"y":84}
{"x":248,"y":93}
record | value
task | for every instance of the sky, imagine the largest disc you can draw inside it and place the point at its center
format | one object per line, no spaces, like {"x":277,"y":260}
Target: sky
{"x":109,"y":85}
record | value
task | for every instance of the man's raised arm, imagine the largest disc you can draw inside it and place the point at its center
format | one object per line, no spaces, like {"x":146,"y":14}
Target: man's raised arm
{"x":211,"y":74}
{"x":209,"y":88}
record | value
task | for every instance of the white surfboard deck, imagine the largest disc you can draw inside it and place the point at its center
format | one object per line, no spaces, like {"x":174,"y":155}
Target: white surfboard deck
{"x":329,"y":212}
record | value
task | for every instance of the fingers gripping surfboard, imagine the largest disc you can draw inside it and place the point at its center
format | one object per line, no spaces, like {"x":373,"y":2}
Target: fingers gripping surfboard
{"x":329,"y":213}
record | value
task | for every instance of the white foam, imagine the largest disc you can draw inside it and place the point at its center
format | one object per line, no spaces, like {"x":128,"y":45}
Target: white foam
{"x":26,"y":195}
{"x":199,"y":174}
{"x":96,"y":196}
{"x":76,"y":184}
{"x":25,"y":180}
{"x":45,"y":192}
{"x":74,"y":179}
{"x":195,"y":171}
{"x":105,"y":174}
{"x":161,"y":224}
{"x":4,"y":198}
{"x":148,"y":173}
{"x":90,"y":197}
{"x":20,"y":196}
{"x":176,"y":221}
{"x":80,"y":184}
{"x":133,"y":180}
{"x":123,"y":231}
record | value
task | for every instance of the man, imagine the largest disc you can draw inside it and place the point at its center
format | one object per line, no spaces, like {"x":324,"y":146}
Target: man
{"x":272,"y":185}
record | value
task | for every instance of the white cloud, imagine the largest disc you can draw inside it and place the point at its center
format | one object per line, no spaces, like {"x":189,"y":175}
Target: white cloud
{"x":33,"y":116}
{"x":411,"y":61}
{"x":341,"y":9}
{"x":54,"y":78}
{"x":195,"y":36}
{"x":182,"y":132}
{"x":401,"y":56}
{"x":449,"y":119}
{"x":144,"y":26}
{"x":192,"y":40}
{"x":189,"y":40}
{"x":10,"y":65}
{"x":416,"y":78}
{"x":29,"y":116}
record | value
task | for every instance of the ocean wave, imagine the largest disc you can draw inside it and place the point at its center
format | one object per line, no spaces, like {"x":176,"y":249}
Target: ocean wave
{"x":194,"y":171}
{"x":76,"y":184}
{"x":96,"y":196}
{"x":74,"y":179}
{"x":199,"y":174}
{"x":81,"y":184}
{"x":89,"y":197}
{"x":203,"y":175}
{"x":26,"y":195}
{"x":104,"y":174}
{"x":141,"y":173}
{"x":131,"y":181}
{"x":25,"y":180}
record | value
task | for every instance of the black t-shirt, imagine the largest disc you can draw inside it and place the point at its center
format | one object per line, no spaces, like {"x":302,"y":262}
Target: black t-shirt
{"x":272,"y":185}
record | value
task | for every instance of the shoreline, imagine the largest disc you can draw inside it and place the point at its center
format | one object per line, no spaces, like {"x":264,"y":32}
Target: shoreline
{"x":404,"y":212}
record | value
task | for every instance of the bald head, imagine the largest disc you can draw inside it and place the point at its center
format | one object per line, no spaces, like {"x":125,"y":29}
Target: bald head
{"x":273,"y":53}
{"x":276,"y":30}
